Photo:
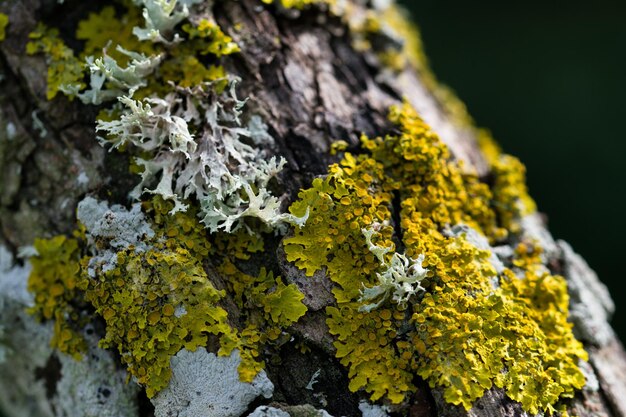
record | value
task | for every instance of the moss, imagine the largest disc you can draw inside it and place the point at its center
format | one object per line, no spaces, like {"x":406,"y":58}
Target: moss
{"x":464,"y":334}
{"x":4,"y":22}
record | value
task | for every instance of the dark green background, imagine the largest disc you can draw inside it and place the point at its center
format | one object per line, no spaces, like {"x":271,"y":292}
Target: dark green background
{"x":548,"y":78}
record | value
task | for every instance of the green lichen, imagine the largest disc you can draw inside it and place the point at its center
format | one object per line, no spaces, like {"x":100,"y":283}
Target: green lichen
{"x":465,"y":333}
{"x":4,"y":22}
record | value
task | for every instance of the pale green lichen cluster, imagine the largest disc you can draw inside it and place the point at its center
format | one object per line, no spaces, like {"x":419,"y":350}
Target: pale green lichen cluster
{"x":470,"y":328}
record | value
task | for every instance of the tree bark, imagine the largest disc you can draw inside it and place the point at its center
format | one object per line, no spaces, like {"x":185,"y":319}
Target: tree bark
{"x":304,"y":76}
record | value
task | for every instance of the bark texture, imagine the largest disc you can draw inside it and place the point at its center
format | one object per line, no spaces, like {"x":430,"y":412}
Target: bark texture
{"x":303,"y":75}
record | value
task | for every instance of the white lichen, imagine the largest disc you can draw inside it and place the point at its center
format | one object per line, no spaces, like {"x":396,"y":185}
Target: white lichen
{"x":266,"y":411}
{"x":219,"y":166}
{"x":373,"y":410}
{"x":11,"y":131}
{"x":205,"y":385}
{"x":38,"y":125}
{"x":313,"y":380}
{"x":400,"y":278}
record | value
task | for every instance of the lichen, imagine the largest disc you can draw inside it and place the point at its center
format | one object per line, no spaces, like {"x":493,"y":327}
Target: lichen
{"x":94,"y":386}
{"x":298,"y":4}
{"x":144,"y":274}
{"x":211,"y":40}
{"x":4,"y":22}
{"x":401,"y":277}
{"x":402,"y":229}
{"x":208,"y":386}
{"x":65,"y":71}
{"x":267,"y":307}
{"x":473,"y":326}
{"x":53,"y":281}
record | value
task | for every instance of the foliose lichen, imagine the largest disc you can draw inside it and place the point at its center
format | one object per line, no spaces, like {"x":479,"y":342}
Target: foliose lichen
{"x":403,"y":230}
{"x":472,"y":327}
{"x":148,"y":282}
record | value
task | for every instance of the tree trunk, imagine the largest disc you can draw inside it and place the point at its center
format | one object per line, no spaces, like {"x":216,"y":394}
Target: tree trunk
{"x":314,"y":74}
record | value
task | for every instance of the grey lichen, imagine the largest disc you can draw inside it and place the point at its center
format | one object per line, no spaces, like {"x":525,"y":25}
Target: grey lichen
{"x":109,"y":80}
{"x":94,"y":386}
{"x":120,"y":227}
{"x":591,"y":305}
{"x":206,"y":385}
{"x":25,"y":344}
{"x":161,"y":17}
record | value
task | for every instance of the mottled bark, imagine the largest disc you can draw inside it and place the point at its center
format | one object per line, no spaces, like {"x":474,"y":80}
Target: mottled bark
{"x":303,"y":75}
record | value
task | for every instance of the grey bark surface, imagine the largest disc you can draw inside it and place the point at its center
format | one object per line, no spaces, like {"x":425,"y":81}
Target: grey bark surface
{"x":312,"y":87}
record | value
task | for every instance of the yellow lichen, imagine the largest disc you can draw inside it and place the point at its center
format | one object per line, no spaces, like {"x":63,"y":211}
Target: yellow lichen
{"x":4,"y":22}
{"x":108,"y":30}
{"x":53,"y":281}
{"x":105,"y":31}
{"x":139,"y":300}
{"x":65,"y":71}
{"x":474,"y":328}
{"x":209,"y":39}
{"x":158,"y":300}
{"x":267,"y":306}
{"x":298,"y":4}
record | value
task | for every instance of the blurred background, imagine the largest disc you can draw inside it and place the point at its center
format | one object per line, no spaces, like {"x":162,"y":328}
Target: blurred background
{"x":548,"y":78}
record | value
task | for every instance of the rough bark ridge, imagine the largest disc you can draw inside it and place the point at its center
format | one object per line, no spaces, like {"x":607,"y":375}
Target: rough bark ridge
{"x":305,"y":76}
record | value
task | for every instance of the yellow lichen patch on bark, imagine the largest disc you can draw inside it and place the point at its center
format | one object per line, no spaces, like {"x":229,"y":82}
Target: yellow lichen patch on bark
{"x":473,"y":326}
